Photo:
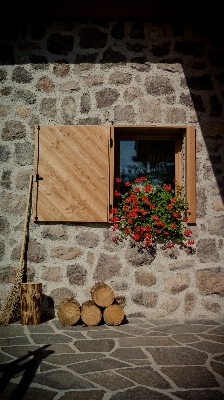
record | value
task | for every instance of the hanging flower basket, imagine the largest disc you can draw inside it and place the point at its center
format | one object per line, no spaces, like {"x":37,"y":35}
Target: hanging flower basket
{"x":147,"y":212}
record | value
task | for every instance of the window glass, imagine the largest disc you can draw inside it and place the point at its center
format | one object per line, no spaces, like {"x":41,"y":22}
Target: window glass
{"x":151,"y":158}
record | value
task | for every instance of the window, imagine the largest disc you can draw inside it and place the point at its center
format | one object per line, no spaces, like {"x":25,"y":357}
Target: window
{"x":76,"y":166}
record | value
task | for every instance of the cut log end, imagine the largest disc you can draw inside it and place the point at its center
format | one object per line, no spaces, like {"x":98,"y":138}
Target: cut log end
{"x":102,"y":294}
{"x":69,"y":312}
{"x":90,"y":314}
{"x":113,"y":315}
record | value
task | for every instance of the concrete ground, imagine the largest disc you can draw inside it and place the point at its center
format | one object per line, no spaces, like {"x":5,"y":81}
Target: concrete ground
{"x":140,"y":359}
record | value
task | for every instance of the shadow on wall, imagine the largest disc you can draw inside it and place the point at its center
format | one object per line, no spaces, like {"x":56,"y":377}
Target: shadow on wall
{"x":194,"y":48}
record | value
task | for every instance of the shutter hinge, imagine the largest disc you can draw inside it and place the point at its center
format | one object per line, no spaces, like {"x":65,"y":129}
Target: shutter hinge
{"x":38,"y":178}
{"x":111,"y":143}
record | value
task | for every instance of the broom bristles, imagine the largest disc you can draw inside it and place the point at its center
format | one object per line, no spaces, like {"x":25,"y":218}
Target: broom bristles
{"x":11,"y":309}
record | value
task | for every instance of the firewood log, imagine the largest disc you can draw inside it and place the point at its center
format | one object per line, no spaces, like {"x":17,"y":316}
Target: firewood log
{"x":113,"y":314}
{"x":30,"y":303}
{"x":102,"y":294}
{"x":90,"y":314}
{"x":69,"y":312}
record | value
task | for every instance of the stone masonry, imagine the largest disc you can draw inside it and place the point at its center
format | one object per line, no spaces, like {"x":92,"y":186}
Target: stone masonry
{"x":99,"y":74}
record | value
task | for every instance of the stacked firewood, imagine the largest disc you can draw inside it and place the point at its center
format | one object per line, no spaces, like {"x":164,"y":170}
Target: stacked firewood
{"x":102,"y":305}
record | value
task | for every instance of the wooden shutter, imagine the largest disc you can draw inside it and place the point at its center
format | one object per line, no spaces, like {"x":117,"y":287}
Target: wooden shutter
{"x":190,"y":173}
{"x":72,"y":163}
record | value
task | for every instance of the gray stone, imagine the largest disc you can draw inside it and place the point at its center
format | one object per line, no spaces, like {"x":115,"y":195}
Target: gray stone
{"x":135,"y":47}
{"x":22,"y":180}
{"x":89,"y":121}
{"x":61,"y":68}
{"x":175,"y":115}
{"x":24,"y":153}
{"x":210,"y":281}
{"x":117,"y":31}
{"x":36,"y":252}
{"x":7,"y":274}
{"x":13,"y":130}
{"x":150,"y":110}
{"x":3,"y":75}
{"x":107,"y":267}
{"x":158,"y":85}
{"x":84,"y":395}
{"x":216,"y":225}
{"x":106,"y":97}
{"x":181,"y":264}
{"x":95,"y":346}
{"x":76,"y":274}
{"x":69,"y":109}
{"x":48,"y":107}
{"x":132,"y":93}
{"x":139,"y":392}
{"x":124,"y":113}
{"x":211,"y":129}
{"x":161,"y":50}
{"x":206,"y":250}
{"x":218,"y":368}
{"x":145,"y":278}
{"x":119,"y":78}
{"x":200,"y":82}
{"x":13,"y":203}
{"x":170,"y":305}
{"x":109,"y":380}
{"x":92,"y":38}
{"x":201,"y":202}
{"x":91,"y":80}
{"x":178,"y":356}
{"x":211,"y":306}
{"x":85,"y":105}
{"x":102,"y":364}
{"x":177,"y":283}
{"x":60,"y":44}
{"x":189,"y":301}
{"x":111,"y":56}
{"x":129,"y":354}
{"x":55,"y":232}
{"x":69,"y":86}
{"x":199,"y":395}
{"x":145,"y":376}
{"x":4,"y":153}
{"x":4,"y":225}
{"x":6,"y":54}
{"x":61,"y":380}
{"x":175,"y":67}
{"x":21,"y":75}
{"x":137,"y":31}
{"x":190,"y":376}
{"x":45,"y":84}
{"x":88,"y":239}
{"x":188,"y":47}
{"x":138,"y":257}
{"x":209,"y":347}
{"x":29,"y":392}
{"x":38,"y":62}
{"x":65,"y":253}
{"x":6,"y":91}
{"x":185,"y":338}
{"x":198,"y":102}
{"x":14,"y":341}
{"x":44,"y":338}
{"x":6,"y":181}
{"x":2,"y":250}
{"x":215,"y":106}
{"x":145,"y":299}
{"x":4,"y":110}
{"x":61,"y":294}
{"x":52,"y":274}
{"x":25,"y":96}
{"x":23,"y":111}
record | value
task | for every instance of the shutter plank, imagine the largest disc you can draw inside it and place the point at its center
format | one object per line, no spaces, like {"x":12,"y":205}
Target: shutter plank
{"x":74,"y":164}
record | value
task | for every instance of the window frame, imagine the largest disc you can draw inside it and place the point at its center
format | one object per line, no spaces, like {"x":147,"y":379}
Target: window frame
{"x":181,"y":134}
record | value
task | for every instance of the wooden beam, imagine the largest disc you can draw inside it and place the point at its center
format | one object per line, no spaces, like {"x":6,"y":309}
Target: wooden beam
{"x":190,"y":173}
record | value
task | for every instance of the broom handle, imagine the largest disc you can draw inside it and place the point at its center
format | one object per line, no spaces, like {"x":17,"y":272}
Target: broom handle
{"x":25,"y":224}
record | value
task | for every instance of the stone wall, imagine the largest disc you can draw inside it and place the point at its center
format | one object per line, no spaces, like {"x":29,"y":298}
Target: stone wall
{"x":128,"y":73}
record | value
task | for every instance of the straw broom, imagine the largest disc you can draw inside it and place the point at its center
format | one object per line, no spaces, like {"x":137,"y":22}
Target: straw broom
{"x":11,"y":309}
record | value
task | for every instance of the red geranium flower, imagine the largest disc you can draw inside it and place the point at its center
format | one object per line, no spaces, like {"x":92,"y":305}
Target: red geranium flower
{"x":167,"y":187}
{"x":116,"y":193}
{"x":175,"y":215}
{"x":190,"y":242}
{"x":127,"y":183}
{"x":118,"y":180}
{"x":147,"y":188}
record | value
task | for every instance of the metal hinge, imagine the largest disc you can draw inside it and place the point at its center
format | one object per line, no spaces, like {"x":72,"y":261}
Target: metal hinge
{"x":111,"y":142}
{"x":38,"y":178}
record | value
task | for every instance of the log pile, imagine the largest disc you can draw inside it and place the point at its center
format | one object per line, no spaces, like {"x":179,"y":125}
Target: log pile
{"x":103,"y":305}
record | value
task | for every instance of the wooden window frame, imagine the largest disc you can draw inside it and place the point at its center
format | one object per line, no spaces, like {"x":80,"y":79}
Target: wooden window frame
{"x":176,"y":133}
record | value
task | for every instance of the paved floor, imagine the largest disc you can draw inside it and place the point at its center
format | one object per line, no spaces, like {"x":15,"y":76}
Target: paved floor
{"x":141,"y":359}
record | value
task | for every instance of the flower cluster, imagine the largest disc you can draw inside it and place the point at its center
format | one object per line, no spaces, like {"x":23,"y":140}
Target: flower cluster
{"x":146,"y":212}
